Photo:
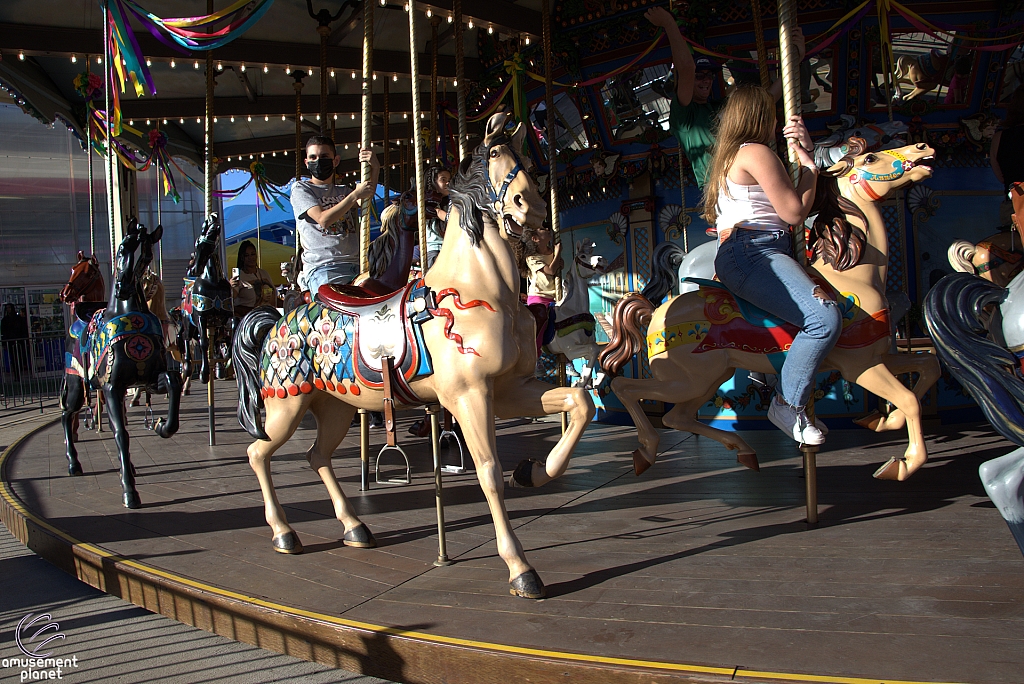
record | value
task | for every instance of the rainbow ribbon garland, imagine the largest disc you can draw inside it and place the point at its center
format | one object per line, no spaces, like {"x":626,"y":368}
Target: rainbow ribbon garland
{"x":266,"y":191}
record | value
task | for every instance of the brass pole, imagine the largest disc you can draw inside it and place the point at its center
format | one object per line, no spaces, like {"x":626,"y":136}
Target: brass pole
{"x":298,"y":76}
{"x":159,"y":214}
{"x":790,"y":74}
{"x":208,"y":169}
{"x":442,"y":545}
{"x":210,"y":401}
{"x":460,"y":76}
{"x":108,"y":84}
{"x":549,"y":103}
{"x":88,"y":145}
{"x":435,"y":21}
{"x":364,"y":450}
{"x":324,"y":32}
{"x":386,"y":164}
{"x":367,"y":132}
{"x":682,"y":197}
{"x":762,"y":51}
{"x":421,"y":200}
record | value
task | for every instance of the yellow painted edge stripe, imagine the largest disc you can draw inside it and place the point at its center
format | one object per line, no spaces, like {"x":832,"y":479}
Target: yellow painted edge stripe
{"x":9,"y":496}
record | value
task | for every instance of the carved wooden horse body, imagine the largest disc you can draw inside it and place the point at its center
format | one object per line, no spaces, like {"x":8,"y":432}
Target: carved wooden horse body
{"x":694,"y":347}
{"x":122,"y":347}
{"x":458,"y":336}
{"x":206,"y":303}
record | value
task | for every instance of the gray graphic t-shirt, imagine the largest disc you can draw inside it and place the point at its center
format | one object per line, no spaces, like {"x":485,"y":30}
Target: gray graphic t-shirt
{"x":336,"y":244}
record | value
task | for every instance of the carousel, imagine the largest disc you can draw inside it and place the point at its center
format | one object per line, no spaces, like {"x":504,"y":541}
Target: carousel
{"x":573,"y":477}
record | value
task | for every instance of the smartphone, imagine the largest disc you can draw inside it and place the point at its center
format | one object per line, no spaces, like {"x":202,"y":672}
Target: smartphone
{"x":234,"y":273}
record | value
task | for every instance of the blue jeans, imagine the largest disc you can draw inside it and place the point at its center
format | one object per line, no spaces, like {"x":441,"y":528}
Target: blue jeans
{"x":340,"y":274}
{"x":756,"y":265}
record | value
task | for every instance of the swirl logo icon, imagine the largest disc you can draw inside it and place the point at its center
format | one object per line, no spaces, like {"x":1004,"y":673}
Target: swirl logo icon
{"x":28,"y":644}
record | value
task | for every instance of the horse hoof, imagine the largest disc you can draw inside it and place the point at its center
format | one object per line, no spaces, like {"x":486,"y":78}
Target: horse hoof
{"x":287,"y":543}
{"x":522,"y":476}
{"x":640,"y":464}
{"x":748,"y":460}
{"x":528,"y":585}
{"x":359,"y":537}
{"x":870,"y":421}
{"x":890,"y":470}
{"x":131,"y":500}
{"x":75,"y":468}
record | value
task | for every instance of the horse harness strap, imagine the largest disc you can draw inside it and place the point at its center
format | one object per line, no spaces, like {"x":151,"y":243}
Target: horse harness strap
{"x":499,"y":197}
{"x":389,"y":401}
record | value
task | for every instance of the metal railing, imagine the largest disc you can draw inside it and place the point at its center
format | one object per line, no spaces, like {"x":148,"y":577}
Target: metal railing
{"x":31,"y":370}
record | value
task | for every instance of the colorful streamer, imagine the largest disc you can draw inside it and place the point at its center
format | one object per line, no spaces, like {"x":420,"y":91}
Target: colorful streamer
{"x":266,"y":191}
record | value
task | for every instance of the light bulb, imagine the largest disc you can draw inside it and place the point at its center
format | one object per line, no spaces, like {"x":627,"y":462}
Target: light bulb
{"x":353,"y":116}
{"x":165,"y":122}
{"x":214,"y":120}
{"x":405,"y":115}
{"x":286,"y":153}
{"x":288,"y":68}
{"x":262,"y":155}
{"x":490,"y":30}
{"x":173,"y":64}
{"x":394,"y":77}
{"x":266,"y":117}
{"x":74,"y":59}
{"x":335,"y":117}
{"x":198,"y":120}
{"x":250,"y":156}
{"x":147,"y":122}
{"x":249,"y":118}
{"x":470,"y":23}
{"x":450,"y":18}
{"x":429,"y":13}
{"x":149,"y":62}
{"x":317,"y":117}
{"x":131,"y":122}
{"x":99,"y":60}
{"x":346,"y":146}
{"x":527,"y":40}
{"x":383,"y":3}
{"x":455,"y":83}
{"x":353,"y":74}
{"x":220,"y":67}
{"x":375,"y":77}
{"x":273,"y":154}
{"x":332,"y":73}
{"x":242,"y":67}
{"x":21,"y":56}
{"x":406,"y":7}
{"x":265,"y":68}
{"x":283,"y":118}
{"x":181,"y":120}
{"x":196,"y":65}
{"x":232,"y":119}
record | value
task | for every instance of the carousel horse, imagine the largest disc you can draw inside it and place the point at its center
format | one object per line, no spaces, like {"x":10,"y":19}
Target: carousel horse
{"x":390,"y":255}
{"x":696,"y":341}
{"x":122,"y":347}
{"x":977,"y":327}
{"x":571,"y":329}
{"x":459,"y":336}
{"x":205,"y":303}
{"x":84,"y":293}
{"x":877,"y":136}
{"x":925,"y":72}
{"x":998,"y":258}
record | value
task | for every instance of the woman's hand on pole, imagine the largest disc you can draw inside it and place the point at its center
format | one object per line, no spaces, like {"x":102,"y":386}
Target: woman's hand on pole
{"x":796,"y":130}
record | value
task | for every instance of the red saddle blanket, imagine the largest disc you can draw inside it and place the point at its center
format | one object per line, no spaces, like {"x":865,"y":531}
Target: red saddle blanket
{"x":738,"y":324}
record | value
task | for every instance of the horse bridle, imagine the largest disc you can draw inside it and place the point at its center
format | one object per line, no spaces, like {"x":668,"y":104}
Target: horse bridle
{"x":900,"y":166}
{"x":497,"y":198}
{"x":92,"y":275}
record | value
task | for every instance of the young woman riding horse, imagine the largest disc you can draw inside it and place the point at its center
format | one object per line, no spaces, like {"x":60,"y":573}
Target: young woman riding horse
{"x":459,"y":336}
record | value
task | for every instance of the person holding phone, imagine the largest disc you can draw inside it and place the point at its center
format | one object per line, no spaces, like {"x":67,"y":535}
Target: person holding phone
{"x":251,"y":286}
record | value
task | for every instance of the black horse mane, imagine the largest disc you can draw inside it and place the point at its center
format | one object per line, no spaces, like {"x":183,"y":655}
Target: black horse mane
{"x":833,"y":239}
{"x":468,"y":192}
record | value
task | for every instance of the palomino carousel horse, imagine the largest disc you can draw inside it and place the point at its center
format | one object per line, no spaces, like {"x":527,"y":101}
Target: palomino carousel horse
{"x":458,"y":336}
{"x":156,"y":300}
{"x":205,"y":303}
{"x":122,"y":347}
{"x":961,"y":312}
{"x":572,"y":326}
{"x":998,"y":258}
{"x":696,"y":341}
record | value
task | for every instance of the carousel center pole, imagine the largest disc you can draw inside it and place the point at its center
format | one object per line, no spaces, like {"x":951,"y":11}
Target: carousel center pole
{"x":460,"y":79}
{"x":298,"y":76}
{"x":364,"y":223}
{"x":208,"y":172}
{"x":790,"y":74}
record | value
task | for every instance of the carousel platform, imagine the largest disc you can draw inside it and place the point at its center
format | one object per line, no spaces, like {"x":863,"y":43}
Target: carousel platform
{"x":700,"y":570}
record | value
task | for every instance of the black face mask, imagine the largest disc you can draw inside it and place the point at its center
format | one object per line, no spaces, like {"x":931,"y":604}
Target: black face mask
{"x":322,"y":169}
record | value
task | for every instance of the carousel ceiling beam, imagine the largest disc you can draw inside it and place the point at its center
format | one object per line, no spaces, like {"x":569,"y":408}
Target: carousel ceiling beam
{"x":45,"y":40}
{"x":267,"y":105}
{"x":501,"y":14}
{"x":443,"y":37}
{"x":342,"y":136}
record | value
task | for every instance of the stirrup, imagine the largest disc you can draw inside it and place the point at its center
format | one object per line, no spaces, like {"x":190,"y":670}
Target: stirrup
{"x":393,"y":480}
{"x":88,"y":418}
{"x":149,"y":421}
{"x":448,"y":435}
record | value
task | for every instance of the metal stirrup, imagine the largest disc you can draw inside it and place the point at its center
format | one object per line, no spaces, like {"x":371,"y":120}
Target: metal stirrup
{"x":389,"y":425}
{"x":449,"y":435}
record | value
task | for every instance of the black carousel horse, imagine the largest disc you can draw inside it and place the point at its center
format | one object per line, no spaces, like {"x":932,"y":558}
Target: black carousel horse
{"x":122,"y":346}
{"x":206,"y":309}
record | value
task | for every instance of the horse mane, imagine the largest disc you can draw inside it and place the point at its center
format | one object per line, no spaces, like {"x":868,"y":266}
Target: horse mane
{"x":382,"y":250}
{"x":468,"y":193}
{"x":834,"y":239}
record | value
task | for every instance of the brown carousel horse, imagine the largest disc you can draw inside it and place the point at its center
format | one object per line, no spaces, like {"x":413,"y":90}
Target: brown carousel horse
{"x":458,"y":336}
{"x":695,"y":341}
{"x":84,"y":293}
{"x":998,"y":258}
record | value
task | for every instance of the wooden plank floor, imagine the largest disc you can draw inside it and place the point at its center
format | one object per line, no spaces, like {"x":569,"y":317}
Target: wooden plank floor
{"x":699,"y":561}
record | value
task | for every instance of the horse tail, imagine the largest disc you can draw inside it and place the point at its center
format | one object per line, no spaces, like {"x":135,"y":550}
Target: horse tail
{"x":961,"y":256}
{"x":953,"y":311}
{"x":665,"y":269}
{"x":245,"y":354}
{"x":382,"y":250}
{"x":631,"y":313}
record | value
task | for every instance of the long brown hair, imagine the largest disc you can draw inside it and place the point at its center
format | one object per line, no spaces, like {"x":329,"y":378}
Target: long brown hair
{"x":747,"y":117}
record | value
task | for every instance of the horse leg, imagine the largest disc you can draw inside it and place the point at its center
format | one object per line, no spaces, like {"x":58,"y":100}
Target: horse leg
{"x":170,"y":382}
{"x":72,"y":398}
{"x":880,"y":381}
{"x":283,"y":417}
{"x":115,"y":414}
{"x":333,"y":418}
{"x":536,"y":398}
{"x":204,"y":350}
{"x":928,"y":371}
{"x":474,"y":409}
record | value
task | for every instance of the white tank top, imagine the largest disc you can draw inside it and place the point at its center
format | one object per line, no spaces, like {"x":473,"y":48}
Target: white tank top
{"x":748,"y":207}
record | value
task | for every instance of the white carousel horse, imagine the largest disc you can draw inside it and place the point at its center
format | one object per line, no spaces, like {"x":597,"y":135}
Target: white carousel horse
{"x":573,"y":322}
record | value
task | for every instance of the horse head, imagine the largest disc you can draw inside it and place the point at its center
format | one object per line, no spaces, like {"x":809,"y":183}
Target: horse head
{"x":513,"y":199}
{"x":85,"y":278}
{"x":134,"y":255}
{"x":206,"y":246}
{"x":586,"y":262}
{"x":873,"y":175}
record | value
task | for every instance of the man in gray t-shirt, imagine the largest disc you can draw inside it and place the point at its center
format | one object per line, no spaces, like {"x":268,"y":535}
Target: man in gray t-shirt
{"x":326,"y":216}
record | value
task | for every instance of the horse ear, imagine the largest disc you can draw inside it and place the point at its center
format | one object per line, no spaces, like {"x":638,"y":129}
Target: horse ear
{"x":81,"y":255}
{"x":132,"y":227}
{"x":857,"y":146}
{"x":94,"y":260}
{"x":495,"y":127}
{"x":155,"y":236}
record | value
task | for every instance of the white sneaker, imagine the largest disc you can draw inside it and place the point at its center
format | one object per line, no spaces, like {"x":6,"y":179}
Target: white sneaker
{"x":794,"y":423}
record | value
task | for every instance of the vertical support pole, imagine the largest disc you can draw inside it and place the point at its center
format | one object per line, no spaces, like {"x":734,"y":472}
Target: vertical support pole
{"x":386,"y":163}
{"x":324,"y":32}
{"x":298,"y":76}
{"x":159,"y":206}
{"x":460,"y":78}
{"x":367,"y":133}
{"x":259,"y":228}
{"x":435,"y":21}
{"x":364,"y":450}
{"x":442,"y":545}
{"x":421,"y":189}
{"x":790,"y":74}
{"x":88,"y":149}
{"x":562,"y":360}
{"x":682,"y":199}
{"x":210,"y":402}
{"x":109,"y":161}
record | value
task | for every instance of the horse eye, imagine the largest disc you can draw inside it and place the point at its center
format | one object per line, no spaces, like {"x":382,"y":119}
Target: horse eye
{"x":494,"y":154}
{"x":870,"y":159}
